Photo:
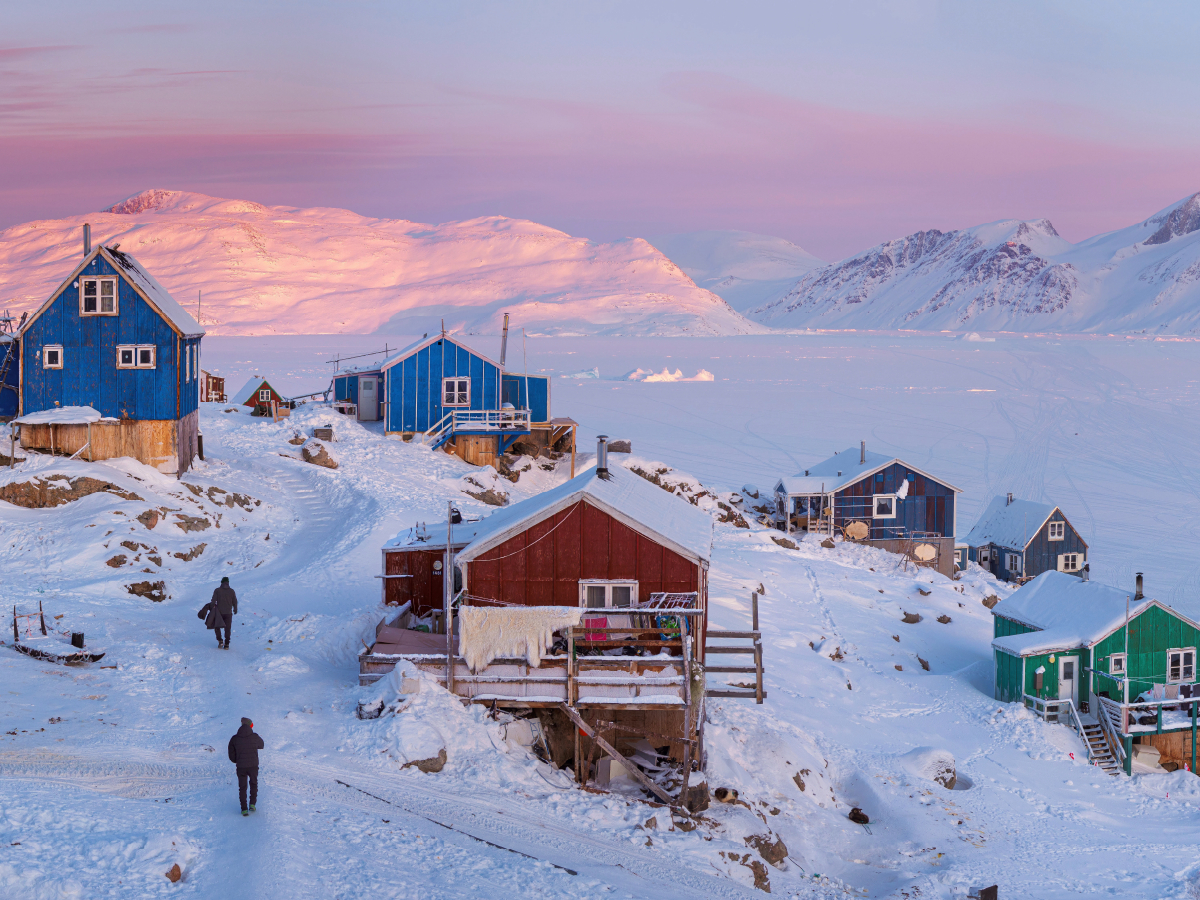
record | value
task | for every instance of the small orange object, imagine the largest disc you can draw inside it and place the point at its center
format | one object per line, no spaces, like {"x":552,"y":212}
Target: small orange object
{"x":174,"y":874}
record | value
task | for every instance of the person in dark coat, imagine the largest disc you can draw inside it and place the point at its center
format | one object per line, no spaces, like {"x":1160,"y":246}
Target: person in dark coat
{"x":224,"y":601}
{"x":243,"y":753}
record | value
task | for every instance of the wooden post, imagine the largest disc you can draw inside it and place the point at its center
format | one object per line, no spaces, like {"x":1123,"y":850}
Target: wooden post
{"x":448,"y":597}
{"x":572,"y":451}
{"x":754,"y":611}
{"x":1193,"y":735}
{"x":42,"y":617}
{"x":608,"y":748}
{"x":1127,"y":746}
{"x":89,"y":435}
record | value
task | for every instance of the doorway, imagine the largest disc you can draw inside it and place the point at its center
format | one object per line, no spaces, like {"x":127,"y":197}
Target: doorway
{"x":1068,"y":674}
{"x":368,"y":399}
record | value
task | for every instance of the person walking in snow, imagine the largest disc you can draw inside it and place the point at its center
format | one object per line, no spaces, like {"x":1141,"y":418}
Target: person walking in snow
{"x":243,"y":753}
{"x":224,"y":602}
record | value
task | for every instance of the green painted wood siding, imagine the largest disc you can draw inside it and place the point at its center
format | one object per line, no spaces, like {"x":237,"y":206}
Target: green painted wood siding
{"x":1002,"y":627}
{"x":1151,"y":635}
{"x":1010,"y":670}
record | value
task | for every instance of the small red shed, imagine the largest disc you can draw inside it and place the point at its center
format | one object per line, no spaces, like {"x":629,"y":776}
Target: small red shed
{"x":257,"y":391}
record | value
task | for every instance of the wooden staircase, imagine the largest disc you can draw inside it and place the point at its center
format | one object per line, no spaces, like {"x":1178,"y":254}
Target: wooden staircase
{"x":1099,"y":750}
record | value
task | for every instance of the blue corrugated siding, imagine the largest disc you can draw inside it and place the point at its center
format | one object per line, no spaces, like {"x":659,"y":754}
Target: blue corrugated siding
{"x":12,"y":378}
{"x":531,"y":392}
{"x":345,"y":388}
{"x":90,"y":376}
{"x":414,"y":384}
{"x":929,"y":506}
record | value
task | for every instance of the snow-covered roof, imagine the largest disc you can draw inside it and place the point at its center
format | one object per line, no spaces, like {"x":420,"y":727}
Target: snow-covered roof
{"x":428,"y":341}
{"x":1069,"y":612}
{"x":1010,"y":525}
{"x":143,"y":282}
{"x":249,"y":389}
{"x":356,"y":370}
{"x":842,"y":470}
{"x":644,"y":507}
{"x":61,"y":415}
{"x":155,"y":293}
{"x":433,"y":536}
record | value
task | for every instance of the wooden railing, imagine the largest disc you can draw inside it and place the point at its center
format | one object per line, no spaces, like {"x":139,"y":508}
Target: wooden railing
{"x":751,"y":643}
{"x":477,"y":420}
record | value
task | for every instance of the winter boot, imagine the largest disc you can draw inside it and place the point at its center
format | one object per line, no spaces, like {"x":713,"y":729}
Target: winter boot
{"x":252,"y":807}
{"x":245,"y":812}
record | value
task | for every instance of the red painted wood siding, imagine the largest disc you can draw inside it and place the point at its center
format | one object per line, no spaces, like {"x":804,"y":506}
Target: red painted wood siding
{"x":424,"y":589}
{"x":543,"y":565}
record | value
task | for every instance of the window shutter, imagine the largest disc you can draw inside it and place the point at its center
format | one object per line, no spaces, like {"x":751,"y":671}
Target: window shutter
{"x":1060,"y":562}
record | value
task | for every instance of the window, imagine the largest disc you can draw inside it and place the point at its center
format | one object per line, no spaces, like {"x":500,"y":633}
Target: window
{"x":456,"y":392}
{"x":985,"y":556}
{"x":1057,"y":530}
{"x":264,"y":396}
{"x":98,"y":296}
{"x":885,"y":506}
{"x":1181,"y":666}
{"x":1070,"y":562}
{"x":187,"y":365}
{"x":607,"y":594}
{"x":52,"y":357}
{"x":1012,"y":562}
{"x":136,"y":356}
{"x":1116,"y":664}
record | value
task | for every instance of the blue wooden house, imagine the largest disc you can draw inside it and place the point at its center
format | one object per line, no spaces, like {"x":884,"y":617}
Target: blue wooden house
{"x":876,"y":499}
{"x":112,"y":341}
{"x":449,"y":393}
{"x":361,"y":386}
{"x":1019,"y":539}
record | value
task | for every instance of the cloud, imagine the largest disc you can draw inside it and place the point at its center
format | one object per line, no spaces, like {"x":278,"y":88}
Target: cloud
{"x":16,"y":53}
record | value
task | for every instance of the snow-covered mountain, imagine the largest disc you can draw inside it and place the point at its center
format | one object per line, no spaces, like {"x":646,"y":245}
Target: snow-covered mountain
{"x":1011,"y":276}
{"x":747,"y":270}
{"x":283,"y":270}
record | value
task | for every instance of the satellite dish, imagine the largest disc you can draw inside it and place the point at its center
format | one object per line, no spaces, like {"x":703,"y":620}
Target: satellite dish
{"x":925,"y":552}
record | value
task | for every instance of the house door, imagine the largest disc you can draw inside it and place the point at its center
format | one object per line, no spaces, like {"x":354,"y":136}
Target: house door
{"x":368,"y":401}
{"x":1068,"y":674}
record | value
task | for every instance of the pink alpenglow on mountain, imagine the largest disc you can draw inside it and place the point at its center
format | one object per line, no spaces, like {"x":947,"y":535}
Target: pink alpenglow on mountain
{"x":1011,"y":276}
{"x":282,"y":270}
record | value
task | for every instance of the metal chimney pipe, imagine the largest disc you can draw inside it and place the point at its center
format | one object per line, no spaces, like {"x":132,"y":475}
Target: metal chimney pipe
{"x":602,"y":455}
{"x":1138,"y":595}
{"x":862,"y":453}
{"x":504,"y":342}
{"x":1009,"y":503}
{"x":87,"y":238}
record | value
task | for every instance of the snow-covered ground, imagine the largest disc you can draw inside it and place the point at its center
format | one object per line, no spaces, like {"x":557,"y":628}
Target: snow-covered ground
{"x":131,"y":776}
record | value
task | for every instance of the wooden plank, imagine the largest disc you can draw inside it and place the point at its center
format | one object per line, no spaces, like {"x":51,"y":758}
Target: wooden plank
{"x":744,"y":695}
{"x":608,"y":748}
{"x":730,"y":670}
{"x":742,"y":635}
{"x":729,"y":650}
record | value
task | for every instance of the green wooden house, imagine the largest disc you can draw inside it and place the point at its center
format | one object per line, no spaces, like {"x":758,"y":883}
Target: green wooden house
{"x":1060,"y":638}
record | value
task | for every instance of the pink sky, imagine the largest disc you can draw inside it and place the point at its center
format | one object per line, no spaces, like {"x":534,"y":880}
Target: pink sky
{"x":834,"y":129}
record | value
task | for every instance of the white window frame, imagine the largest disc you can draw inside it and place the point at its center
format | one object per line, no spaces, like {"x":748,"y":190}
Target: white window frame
{"x":875,"y":514}
{"x":137,"y":350}
{"x":1077,"y":558}
{"x":608,"y":585}
{"x":99,"y":279}
{"x":1186,"y":673}
{"x":457,"y":391}
{"x":1117,"y":664}
{"x":1019,"y":568}
{"x":187,"y":363}
{"x":1057,"y":531}
{"x":46,"y":351}
{"x":264,"y":395}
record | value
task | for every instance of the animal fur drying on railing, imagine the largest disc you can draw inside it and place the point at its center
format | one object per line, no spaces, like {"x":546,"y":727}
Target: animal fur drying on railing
{"x":485,"y":634}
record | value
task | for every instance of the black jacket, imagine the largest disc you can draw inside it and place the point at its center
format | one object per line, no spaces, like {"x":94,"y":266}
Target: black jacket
{"x":226,"y":601}
{"x":212,"y":616}
{"x":244,"y":747}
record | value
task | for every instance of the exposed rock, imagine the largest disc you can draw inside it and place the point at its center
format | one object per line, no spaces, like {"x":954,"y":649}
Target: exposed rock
{"x":315,"y":453}
{"x":151,"y":590}
{"x":828,"y":543}
{"x":750,"y":491}
{"x":157,"y":560}
{"x":784,"y":542}
{"x":899,"y":668}
{"x":932,"y":764}
{"x":218,"y":496}
{"x":194,"y":488}
{"x":192,"y":523}
{"x":923,"y":592}
{"x":430,"y":766}
{"x":651,"y":824}
{"x":117,"y":561}
{"x":912,"y":618}
{"x":773,"y":852}
{"x":799,"y":781}
{"x":231,"y":409}
{"x":149,"y":518}
{"x":730,"y":515}
{"x":42,"y":493}
{"x":896,"y":638}
{"x":761,"y":881}
{"x":944,"y":619}
{"x":174,"y":874}
{"x":990,"y":601}
{"x":297,"y":439}
{"x":924,"y":663}
{"x":191,"y":554}
{"x":525,"y":448}
{"x":858,"y":817}
{"x":620,"y":446}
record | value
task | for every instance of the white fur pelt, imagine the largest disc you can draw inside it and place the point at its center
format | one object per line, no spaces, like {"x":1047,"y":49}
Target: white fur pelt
{"x":484,"y":634}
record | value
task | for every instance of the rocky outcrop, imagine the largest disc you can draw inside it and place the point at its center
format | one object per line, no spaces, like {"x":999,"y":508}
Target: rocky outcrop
{"x":314,"y":452}
{"x":46,"y":493}
{"x":430,"y":766}
{"x":151,"y":590}
{"x":191,"y":554}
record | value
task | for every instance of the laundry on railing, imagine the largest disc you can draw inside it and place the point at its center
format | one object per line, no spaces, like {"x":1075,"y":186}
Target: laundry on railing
{"x":485,"y":634}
